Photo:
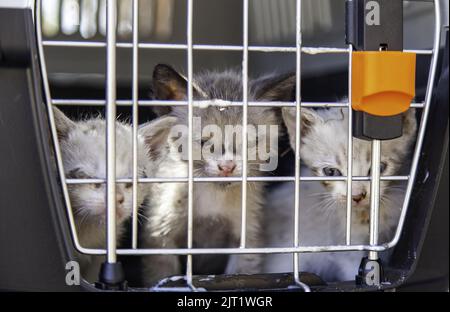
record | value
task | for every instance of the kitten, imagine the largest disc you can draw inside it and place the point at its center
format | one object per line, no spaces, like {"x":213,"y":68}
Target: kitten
{"x":217,"y":206}
{"x":83,"y":149}
{"x":323,"y":151}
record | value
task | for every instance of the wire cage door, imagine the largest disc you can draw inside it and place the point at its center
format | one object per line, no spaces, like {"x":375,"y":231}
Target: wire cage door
{"x":110,"y":46}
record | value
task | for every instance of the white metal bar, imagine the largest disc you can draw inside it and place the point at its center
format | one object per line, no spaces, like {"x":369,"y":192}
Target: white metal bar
{"x":348,"y":225}
{"x":375,"y":196}
{"x":236,"y":179}
{"x":90,"y":102}
{"x":190,"y":141}
{"x":73,"y":44}
{"x":244,"y":125}
{"x":297,"y":138}
{"x":54,"y":133}
{"x":111,"y":7}
{"x":417,"y":105}
{"x":135,"y":121}
{"x":239,"y":251}
{"x":298,"y":99}
{"x":420,"y":52}
{"x":423,"y":123}
{"x":210,"y":47}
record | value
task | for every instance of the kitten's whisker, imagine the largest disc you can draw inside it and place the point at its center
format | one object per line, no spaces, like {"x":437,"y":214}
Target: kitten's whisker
{"x":140,"y":215}
{"x":84,"y":217}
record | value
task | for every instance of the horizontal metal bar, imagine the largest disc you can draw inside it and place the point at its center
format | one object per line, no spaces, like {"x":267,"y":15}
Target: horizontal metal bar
{"x":234,"y":179}
{"x":73,"y":44}
{"x":162,"y":46}
{"x":208,"y":47}
{"x":99,"y":44}
{"x":227,"y":251}
{"x":319,"y":104}
{"x":82,"y":102}
{"x":421,"y":52}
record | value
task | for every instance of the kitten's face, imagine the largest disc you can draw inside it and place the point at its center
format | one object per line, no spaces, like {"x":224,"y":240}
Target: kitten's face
{"x":218,"y":130}
{"x":218,"y":141}
{"x":83,"y":150}
{"x":324,"y":151}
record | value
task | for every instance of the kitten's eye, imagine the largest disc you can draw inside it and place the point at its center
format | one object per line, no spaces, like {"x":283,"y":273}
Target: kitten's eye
{"x":209,"y":144}
{"x":383,"y":167}
{"x":77,"y":173}
{"x":128,"y":185}
{"x":332,"y":172}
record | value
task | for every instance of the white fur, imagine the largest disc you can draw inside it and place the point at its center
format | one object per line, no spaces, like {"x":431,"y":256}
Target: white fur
{"x":83,"y":148}
{"x":167,"y":212}
{"x":322,"y":208}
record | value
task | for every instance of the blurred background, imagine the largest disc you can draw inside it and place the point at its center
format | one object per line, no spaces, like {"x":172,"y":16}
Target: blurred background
{"x":80,"y":72}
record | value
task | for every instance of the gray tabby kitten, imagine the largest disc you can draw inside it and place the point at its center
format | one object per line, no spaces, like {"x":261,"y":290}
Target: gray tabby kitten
{"x":323,"y":151}
{"x":83,"y":148}
{"x":217,"y":206}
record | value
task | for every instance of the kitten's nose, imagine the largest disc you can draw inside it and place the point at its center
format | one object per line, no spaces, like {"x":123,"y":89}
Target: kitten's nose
{"x":120,"y":198}
{"x":226,"y":168}
{"x":359,"y":197}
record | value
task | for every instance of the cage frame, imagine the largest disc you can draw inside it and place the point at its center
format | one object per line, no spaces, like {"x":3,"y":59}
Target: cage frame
{"x":111,"y":45}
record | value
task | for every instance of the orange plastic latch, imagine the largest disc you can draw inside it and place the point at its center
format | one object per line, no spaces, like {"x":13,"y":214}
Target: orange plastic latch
{"x":383,"y":83}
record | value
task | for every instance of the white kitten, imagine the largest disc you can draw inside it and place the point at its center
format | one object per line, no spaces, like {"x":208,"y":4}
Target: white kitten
{"x":83,"y":148}
{"x":323,"y":205}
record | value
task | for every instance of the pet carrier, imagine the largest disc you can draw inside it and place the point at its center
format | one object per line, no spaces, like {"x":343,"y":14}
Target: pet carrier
{"x":39,"y":237}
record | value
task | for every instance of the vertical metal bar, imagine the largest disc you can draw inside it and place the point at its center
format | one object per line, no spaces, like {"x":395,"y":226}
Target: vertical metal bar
{"x":135,"y":98}
{"x":297,"y":139}
{"x":348,"y":232}
{"x":111,"y":131}
{"x":375,"y":196}
{"x":298,"y":99}
{"x":244,"y":125}
{"x":190,"y":143}
{"x":48,"y":100}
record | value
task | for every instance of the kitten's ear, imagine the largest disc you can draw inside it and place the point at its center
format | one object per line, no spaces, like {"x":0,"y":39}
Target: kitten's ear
{"x":279,"y":88}
{"x":63,"y":124}
{"x":156,"y":134}
{"x":168,"y":84}
{"x":409,"y":122}
{"x":309,"y":118}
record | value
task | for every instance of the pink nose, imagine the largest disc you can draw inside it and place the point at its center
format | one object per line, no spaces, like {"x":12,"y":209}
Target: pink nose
{"x":359,"y":197}
{"x":227,"y":168}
